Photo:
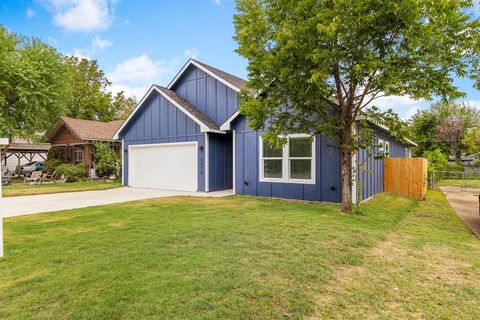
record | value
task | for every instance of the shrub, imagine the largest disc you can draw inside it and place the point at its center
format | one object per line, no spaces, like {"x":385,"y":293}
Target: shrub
{"x":52,"y":164}
{"x":72,"y":171}
{"x":106,"y":158}
{"x":437,"y":161}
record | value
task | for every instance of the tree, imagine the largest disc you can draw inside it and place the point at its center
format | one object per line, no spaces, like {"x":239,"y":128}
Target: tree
{"x":90,"y":98}
{"x":33,"y":86}
{"x":122,"y":106}
{"x":318,"y":64}
{"x":457,"y":121}
{"x":423,"y":127}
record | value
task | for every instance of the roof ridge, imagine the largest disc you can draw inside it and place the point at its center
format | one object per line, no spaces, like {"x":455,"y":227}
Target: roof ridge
{"x":220,"y":70}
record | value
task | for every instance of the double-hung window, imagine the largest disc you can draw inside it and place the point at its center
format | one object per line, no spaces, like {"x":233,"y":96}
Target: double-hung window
{"x":292,"y":163}
{"x":384,"y":147}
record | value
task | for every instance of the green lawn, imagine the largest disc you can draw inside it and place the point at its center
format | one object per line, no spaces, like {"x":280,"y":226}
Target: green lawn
{"x":241,"y":258}
{"x":459,"y":183}
{"x":20,"y":189}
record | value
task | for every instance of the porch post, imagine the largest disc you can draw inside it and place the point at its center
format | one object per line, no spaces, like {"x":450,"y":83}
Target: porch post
{"x":3,"y":142}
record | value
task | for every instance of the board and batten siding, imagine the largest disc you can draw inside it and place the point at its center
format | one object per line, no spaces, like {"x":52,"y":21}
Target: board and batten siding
{"x":159,"y":121}
{"x":327,"y":170}
{"x":220,"y":173}
{"x":370,"y":171}
{"x":207,"y":94}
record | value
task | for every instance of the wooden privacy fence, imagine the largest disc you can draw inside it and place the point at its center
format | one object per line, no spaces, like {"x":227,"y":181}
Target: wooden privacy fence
{"x":406,"y":177}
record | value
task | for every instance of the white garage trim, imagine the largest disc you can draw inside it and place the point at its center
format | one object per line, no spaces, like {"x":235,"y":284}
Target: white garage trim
{"x":207,"y":181}
{"x":123,"y":162}
{"x":190,"y":182}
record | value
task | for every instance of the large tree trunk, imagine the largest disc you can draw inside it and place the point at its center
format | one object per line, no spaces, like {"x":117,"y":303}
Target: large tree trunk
{"x":346,"y":172}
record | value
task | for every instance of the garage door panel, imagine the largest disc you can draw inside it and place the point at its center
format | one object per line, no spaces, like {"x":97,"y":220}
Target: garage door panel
{"x":164,"y":166}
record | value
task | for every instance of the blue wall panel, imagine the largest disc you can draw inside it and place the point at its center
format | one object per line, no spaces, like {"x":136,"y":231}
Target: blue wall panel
{"x":220,"y":174}
{"x":247,"y":170}
{"x":207,"y":94}
{"x":370,"y":171}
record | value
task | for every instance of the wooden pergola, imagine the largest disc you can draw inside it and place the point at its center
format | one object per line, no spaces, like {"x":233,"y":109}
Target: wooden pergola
{"x":24,"y":150}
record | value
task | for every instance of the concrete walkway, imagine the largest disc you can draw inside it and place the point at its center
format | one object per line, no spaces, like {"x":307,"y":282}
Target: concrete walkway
{"x":465,"y":203}
{"x":18,"y":206}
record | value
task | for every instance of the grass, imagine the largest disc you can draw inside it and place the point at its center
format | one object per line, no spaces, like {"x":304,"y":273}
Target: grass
{"x":470,"y":183}
{"x":241,"y":258}
{"x":20,"y":189}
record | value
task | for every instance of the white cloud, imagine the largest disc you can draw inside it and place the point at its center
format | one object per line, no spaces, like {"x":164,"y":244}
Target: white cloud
{"x":82,"y":15}
{"x":100,"y":44}
{"x":79,"y":53}
{"x":130,"y":91}
{"x":192,"y":53}
{"x":30,"y":13}
{"x":138,"y":68}
{"x":217,"y":1}
{"x":405,"y":106}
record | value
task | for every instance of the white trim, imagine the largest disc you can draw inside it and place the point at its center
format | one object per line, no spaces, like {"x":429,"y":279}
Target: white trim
{"x":3,"y":142}
{"x":206,"y":171}
{"x":286,"y":162}
{"x":411,"y":142}
{"x":123,"y":162}
{"x":354,"y":169}
{"x":233,"y":161}
{"x":203,"y":128}
{"x":152,"y":145}
{"x":196,"y":64}
{"x":227,"y":124}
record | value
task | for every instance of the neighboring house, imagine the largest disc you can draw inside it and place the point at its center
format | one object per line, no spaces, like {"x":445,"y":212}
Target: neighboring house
{"x":72,"y":139}
{"x":21,"y":151}
{"x":191,"y":136}
{"x":466,"y":160}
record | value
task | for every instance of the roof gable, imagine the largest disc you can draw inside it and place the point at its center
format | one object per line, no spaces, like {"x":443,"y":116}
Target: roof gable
{"x":206,"y":124}
{"x":226,"y":78}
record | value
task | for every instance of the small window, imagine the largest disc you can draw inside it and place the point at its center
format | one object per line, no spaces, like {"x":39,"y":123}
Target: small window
{"x":294,"y":163}
{"x":78,"y":155}
{"x":384,"y":147}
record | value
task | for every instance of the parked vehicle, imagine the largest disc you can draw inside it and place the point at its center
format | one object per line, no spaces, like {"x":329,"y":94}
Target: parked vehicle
{"x":28,"y":168}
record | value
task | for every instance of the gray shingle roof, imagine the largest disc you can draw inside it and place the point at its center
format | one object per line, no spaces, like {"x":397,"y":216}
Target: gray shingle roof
{"x":230,"y":78}
{"x":209,"y":123}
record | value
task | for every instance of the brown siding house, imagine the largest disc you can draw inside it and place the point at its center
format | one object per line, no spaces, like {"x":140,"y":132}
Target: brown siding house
{"x":72,"y":139}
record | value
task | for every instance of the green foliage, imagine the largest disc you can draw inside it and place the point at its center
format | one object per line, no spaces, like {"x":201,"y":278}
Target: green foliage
{"x":437,"y":160}
{"x":51,"y":165}
{"x":448,"y":126}
{"x":74,"y":172}
{"x":91,"y":100}
{"x":34,"y":89}
{"x":318,"y":65}
{"x":106,"y":158}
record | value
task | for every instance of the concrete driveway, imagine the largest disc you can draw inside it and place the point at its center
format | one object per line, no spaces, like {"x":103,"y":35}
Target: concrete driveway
{"x":465,"y":203}
{"x":18,"y":206}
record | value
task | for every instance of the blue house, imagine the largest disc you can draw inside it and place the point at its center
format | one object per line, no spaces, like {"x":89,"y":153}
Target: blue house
{"x":191,"y":136}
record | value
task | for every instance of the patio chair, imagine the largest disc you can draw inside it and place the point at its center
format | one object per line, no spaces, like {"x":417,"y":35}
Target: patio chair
{"x":48,"y":177}
{"x":34,"y":177}
{"x":5,"y":176}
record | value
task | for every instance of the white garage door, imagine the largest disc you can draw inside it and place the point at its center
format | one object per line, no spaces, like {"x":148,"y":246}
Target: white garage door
{"x":171,"y":166}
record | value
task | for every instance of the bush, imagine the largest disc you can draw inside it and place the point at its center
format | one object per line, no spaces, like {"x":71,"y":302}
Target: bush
{"x":51,"y":165}
{"x":453,"y":166}
{"x":437,"y":161}
{"x":106,"y":159}
{"x":72,"y":172}
{"x":476,"y":163}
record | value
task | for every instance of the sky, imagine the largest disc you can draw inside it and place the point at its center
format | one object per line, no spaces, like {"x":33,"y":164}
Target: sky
{"x":141,"y":42}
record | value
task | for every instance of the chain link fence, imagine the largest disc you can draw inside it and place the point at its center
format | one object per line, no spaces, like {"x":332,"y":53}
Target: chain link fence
{"x":469,"y":178}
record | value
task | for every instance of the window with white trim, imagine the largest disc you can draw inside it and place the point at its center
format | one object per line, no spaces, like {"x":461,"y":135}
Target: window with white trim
{"x":292,"y":163}
{"x":384,"y":147}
